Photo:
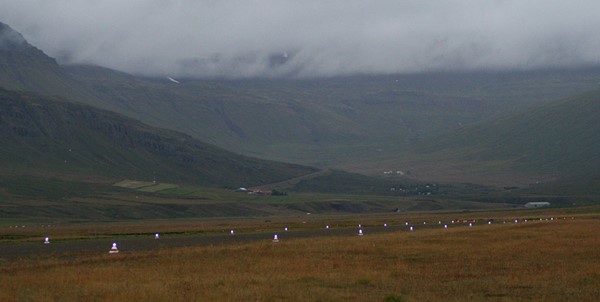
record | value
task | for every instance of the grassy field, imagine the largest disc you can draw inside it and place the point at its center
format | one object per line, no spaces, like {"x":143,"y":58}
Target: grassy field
{"x":36,"y":200}
{"x":556,"y":260}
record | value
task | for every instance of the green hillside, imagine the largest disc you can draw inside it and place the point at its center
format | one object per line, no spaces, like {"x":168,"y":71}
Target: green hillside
{"x":329,"y":121}
{"x":443,"y":126}
{"x":554,"y":141}
{"x":48,"y":137}
{"x":324,"y":122}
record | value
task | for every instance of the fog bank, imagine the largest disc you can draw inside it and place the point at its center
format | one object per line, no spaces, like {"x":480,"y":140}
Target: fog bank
{"x":271,"y":38}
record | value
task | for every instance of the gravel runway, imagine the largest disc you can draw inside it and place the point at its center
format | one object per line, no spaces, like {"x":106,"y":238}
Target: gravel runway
{"x":64,"y":248}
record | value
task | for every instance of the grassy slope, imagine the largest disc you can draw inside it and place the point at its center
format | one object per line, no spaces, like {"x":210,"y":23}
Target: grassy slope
{"x":328,"y":121}
{"x":43,"y":136}
{"x":557,"y":140}
{"x":350,"y":122}
{"x":317,"y":121}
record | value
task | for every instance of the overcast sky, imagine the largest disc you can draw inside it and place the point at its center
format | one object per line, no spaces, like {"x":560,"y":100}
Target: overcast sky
{"x":243,"y":38}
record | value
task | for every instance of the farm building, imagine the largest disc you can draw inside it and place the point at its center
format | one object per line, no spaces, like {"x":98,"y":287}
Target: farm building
{"x":539,"y":204}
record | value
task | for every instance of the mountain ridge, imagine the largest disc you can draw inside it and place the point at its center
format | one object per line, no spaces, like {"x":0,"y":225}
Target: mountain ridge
{"x":358,"y":123}
{"x":320,"y":122}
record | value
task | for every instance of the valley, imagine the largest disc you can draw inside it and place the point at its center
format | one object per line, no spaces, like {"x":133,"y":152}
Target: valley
{"x":277,"y":151}
{"x":365,"y":143}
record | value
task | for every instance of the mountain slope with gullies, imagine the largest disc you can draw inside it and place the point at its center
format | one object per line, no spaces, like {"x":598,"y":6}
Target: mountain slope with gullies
{"x":330,"y":121}
{"x":559,"y":141}
{"x":46,"y":136}
{"x":325,"y":122}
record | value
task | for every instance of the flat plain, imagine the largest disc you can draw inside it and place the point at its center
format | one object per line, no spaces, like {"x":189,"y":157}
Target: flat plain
{"x":556,"y":258}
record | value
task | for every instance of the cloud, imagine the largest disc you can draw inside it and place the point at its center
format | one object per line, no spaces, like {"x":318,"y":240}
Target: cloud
{"x":247,"y":38}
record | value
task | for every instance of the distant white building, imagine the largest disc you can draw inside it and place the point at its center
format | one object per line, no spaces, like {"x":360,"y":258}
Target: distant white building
{"x":537,"y":204}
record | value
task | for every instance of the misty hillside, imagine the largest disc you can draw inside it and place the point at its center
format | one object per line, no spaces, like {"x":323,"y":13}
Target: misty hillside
{"x":323,"y":121}
{"x":332,"y":120}
{"x":354,"y":122}
{"x":25,"y":67}
{"x":49,"y":137}
{"x":560,"y":140}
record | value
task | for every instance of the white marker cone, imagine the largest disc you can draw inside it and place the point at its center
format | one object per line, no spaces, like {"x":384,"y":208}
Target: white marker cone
{"x":275,"y":238}
{"x":470,"y":224}
{"x":360,"y":232}
{"x":156,"y":236}
{"x":411,"y":228}
{"x":113,"y":249}
{"x":47,"y":240}
{"x":445,"y":226}
{"x":231,"y":232}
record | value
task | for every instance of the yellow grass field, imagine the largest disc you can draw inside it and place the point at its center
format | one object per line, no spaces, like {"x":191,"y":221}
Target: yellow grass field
{"x":535,"y":261}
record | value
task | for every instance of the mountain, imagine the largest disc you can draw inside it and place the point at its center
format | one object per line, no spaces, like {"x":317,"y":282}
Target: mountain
{"x":46,"y":136}
{"x":26,"y":68}
{"x":337,"y":121}
{"x":358,"y":123}
{"x":329,"y":121}
{"x":556,"y":141}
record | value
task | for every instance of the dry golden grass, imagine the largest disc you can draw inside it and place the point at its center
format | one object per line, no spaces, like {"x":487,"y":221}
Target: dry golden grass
{"x":540,"y":261}
{"x":91,"y":230}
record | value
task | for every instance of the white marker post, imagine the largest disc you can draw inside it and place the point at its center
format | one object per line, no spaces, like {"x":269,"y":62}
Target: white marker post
{"x":231,"y":232}
{"x":275,"y":238}
{"x":411,"y":228}
{"x":445,"y":226}
{"x":47,"y":240}
{"x":360,"y":232}
{"x":113,"y":249}
{"x":156,"y":236}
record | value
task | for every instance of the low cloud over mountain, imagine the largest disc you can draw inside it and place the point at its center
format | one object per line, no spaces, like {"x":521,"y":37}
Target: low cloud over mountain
{"x":247,"y":38}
